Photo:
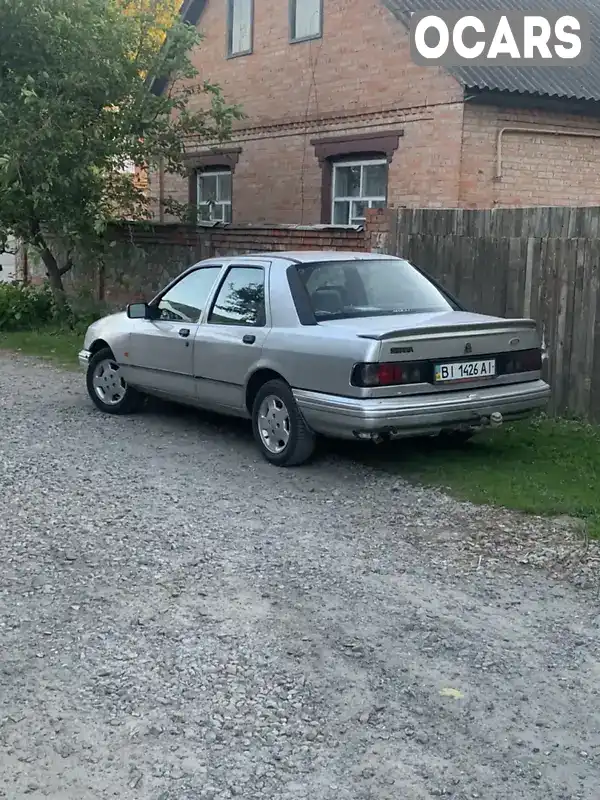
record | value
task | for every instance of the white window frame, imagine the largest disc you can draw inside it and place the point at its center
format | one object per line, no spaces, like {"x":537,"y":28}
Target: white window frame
{"x":231,"y":53}
{"x":293,"y":15}
{"x":360,"y":198}
{"x":218,"y":173}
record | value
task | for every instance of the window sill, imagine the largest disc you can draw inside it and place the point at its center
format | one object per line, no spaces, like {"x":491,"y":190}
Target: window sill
{"x":239,"y":55}
{"x":302,"y":39}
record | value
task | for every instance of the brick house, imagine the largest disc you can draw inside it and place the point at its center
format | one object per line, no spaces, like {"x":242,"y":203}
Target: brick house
{"x":340,"y":119}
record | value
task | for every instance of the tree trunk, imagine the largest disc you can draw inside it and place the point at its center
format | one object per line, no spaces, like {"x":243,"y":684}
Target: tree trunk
{"x":54,"y":278}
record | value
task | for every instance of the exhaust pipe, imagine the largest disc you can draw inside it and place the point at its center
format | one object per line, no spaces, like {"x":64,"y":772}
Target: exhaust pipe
{"x":375,"y":438}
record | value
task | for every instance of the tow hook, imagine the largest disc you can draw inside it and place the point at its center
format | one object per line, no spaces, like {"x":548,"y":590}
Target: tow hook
{"x":496,"y":419}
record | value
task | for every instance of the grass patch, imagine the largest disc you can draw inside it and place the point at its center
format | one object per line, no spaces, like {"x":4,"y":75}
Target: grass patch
{"x":58,"y":345}
{"x":549,"y":467}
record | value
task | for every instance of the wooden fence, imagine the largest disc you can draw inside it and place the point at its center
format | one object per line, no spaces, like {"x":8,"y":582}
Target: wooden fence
{"x":533,"y":262}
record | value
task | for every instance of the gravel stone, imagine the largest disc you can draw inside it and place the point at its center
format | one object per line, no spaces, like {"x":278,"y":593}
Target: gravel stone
{"x":181,"y":620}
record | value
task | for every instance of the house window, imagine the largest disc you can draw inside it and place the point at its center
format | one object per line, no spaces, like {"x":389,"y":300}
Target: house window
{"x":214,"y":195}
{"x":239,"y":27}
{"x":357,"y":186}
{"x":306,"y":19}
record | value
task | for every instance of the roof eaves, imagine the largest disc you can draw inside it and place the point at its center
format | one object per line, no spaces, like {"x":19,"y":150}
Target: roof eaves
{"x":190,"y":12}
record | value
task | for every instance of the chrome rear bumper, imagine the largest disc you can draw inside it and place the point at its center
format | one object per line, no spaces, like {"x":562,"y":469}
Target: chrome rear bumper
{"x":350,"y":417}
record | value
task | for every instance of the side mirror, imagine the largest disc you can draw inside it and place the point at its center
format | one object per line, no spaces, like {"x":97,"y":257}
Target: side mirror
{"x":139,"y":311}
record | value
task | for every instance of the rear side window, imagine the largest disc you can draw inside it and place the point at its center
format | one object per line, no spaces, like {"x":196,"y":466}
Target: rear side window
{"x":241,"y":298}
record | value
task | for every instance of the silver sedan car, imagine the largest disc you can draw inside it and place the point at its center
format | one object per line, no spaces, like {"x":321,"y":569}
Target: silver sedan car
{"x":345,"y":345}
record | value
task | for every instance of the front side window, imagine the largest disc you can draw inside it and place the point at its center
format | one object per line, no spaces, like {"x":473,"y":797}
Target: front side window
{"x":369,"y":288}
{"x":239,"y":27}
{"x":185,"y":301}
{"x":357,"y":186}
{"x":241,"y":298}
{"x":214,"y":196}
{"x":306,"y":19}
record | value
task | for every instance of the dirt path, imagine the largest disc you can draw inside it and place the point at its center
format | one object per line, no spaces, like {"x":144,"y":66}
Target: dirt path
{"x":180,"y":620}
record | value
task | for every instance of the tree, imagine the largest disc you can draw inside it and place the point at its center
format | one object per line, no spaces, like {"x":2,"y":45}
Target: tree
{"x":246,"y":304}
{"x":77,"y":104}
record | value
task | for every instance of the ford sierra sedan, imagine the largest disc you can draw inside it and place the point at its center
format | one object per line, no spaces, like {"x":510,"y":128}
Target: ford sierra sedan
{"x":308,"y":344}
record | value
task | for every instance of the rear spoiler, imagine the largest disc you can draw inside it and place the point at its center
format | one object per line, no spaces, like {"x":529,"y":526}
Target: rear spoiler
{"x":465,"y":328}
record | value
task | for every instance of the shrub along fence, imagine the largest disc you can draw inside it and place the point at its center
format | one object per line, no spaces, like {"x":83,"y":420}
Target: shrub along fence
{"x":534,"y":262}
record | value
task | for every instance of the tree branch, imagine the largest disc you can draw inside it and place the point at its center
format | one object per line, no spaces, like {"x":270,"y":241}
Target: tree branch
{"x":66,"y":267}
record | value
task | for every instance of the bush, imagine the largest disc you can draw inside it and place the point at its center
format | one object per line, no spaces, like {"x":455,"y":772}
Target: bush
{"x":27,"y":308}
{"x":84,"y":310}
{"x":24,"y":307}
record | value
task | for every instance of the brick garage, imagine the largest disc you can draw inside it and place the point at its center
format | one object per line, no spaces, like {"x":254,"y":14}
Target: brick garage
{"x":353,"y":93}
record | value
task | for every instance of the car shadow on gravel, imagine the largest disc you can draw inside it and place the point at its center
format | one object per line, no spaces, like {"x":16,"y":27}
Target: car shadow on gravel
{"x":213,"y":423}
{"x":402,"y":452}
{"x":392,"y":457}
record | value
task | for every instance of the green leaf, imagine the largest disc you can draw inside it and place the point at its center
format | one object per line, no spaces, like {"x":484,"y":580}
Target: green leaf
{"x":76,"y":99}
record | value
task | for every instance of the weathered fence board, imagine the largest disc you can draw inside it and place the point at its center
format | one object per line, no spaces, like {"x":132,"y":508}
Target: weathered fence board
{"x":538,"y":262}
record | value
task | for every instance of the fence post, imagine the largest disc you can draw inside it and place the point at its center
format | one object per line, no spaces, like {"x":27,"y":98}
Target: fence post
{"x":380,"y":230}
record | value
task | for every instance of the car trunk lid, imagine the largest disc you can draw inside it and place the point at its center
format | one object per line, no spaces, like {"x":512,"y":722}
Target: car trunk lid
{"x":449,"y":350}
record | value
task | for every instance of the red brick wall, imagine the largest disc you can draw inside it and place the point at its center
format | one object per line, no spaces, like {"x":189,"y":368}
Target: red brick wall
{"x":238,"y":239}
{"x":357,"y":78}
{"x":537,"y":169}
{"x":143,"y":258}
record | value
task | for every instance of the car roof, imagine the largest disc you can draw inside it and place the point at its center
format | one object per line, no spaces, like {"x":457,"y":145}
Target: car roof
{"x":311,"y":256}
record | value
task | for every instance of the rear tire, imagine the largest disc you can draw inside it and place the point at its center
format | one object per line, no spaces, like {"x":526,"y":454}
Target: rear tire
{"x":279,"y":428}
{"x":108,"y":391}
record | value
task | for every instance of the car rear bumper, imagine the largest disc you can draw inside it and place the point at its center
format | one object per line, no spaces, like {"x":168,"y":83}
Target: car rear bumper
{"x":350,"y":417}
{"x":84,"y":358}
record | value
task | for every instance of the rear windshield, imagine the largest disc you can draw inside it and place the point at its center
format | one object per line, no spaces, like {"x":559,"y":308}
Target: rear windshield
{"x":369,"y":288}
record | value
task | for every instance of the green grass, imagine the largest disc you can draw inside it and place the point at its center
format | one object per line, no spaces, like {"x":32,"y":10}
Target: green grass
{"x":549,"y":467}
{"x":59,"y":346}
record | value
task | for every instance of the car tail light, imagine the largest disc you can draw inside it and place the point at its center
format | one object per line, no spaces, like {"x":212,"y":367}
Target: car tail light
{"x":523,"y":361}
{"x":390,"y":373}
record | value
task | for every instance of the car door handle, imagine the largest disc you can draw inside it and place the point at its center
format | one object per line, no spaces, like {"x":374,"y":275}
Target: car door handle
{"x":249,"y":338}
{"x":185,"y":332}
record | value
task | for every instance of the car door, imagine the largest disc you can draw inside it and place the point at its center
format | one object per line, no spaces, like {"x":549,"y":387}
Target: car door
{"x":230,"y":341}
{"x":161,"y":350}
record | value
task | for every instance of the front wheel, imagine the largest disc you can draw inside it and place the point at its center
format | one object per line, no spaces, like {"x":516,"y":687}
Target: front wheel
{"x":279,"y":428}
{"x":107,"y":388}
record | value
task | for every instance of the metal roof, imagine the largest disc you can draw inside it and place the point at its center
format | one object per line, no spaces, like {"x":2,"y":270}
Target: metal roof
{"x":577,"y":83}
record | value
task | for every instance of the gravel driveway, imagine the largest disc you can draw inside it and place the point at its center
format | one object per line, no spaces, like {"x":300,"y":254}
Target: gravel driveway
{"x":180,"y":620}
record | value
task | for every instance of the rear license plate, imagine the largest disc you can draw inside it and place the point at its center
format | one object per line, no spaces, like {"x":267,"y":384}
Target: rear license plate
{"x":465,"y":371}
